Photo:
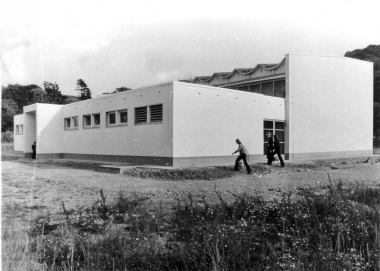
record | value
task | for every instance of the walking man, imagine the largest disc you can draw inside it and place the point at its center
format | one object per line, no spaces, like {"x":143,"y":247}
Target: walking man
{"x":243,"y":155}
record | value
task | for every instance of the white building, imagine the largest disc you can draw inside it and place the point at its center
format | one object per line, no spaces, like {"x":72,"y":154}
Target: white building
{"x":318,"y":106}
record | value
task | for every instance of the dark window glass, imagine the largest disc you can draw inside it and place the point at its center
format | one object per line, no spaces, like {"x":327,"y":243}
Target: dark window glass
{"x":280,"y":135}
{"x":124,"y":117}
{"x":75,"y":121}
{"x":68,"y":123}
{"x":141,"y":115}
{"x":112,"y":118}
{"x":280,"y":125}
{"x":255,"y":88}
{"x":97,"y":119}
{"x":87,"y":120}
{"x":279,"y":89}
{"x":244,"y":88}
{"x":156,"y":113}
{"x":267,"y":88}
{"x":265,"y":148}
{"x":268,"y":124}
{"x":282,"y":151}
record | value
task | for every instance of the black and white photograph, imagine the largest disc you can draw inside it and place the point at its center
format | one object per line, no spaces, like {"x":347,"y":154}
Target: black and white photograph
{"x":190,"y":135}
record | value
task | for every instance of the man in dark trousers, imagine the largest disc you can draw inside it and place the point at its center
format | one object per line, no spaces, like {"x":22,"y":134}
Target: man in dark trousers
{"x":277,"y":150}
{"x":269,"y":148}
{"x":34,"y":147}
{"x":243,"y":155}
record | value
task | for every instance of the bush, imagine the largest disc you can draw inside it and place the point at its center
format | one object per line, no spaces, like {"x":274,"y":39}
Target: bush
{"x":7,"y":136}
{"x":334,"y":229}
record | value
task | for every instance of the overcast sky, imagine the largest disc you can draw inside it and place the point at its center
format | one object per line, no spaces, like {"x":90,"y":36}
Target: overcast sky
{"x":110,"y":44}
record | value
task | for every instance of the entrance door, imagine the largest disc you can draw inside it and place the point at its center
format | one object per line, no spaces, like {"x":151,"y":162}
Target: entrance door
{"x":276,"y":128}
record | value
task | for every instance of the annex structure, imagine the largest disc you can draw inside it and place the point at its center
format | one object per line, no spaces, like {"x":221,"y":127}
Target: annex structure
{"x":319,"y":106}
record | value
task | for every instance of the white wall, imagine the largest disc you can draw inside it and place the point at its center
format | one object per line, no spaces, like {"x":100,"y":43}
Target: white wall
{"x":18,"y":139}
{"x":49,"y":128}
{"x":207,"y":120}
{"x":130,"y":140}
{"x":329,"y":105}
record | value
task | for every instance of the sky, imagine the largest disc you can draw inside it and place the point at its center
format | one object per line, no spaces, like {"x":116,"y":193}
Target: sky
{"x":111,"y":44}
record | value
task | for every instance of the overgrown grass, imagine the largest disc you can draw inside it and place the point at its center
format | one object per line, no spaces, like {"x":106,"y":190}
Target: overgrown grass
{"x":338,"y":229}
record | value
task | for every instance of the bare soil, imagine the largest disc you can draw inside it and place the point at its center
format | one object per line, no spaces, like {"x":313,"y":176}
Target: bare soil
{"x":45,"y":185}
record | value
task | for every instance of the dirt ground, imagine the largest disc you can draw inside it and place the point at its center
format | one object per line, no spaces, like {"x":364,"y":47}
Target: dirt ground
{"x":44,"y":185}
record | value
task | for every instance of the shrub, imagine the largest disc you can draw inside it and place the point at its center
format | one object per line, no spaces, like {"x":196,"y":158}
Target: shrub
{"x":7,"y":137}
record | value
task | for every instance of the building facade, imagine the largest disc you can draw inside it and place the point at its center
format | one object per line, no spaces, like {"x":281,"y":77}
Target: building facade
{"x":318,"y":106}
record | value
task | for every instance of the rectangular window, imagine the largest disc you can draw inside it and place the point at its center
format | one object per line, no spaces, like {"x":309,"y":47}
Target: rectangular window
{"x":87,"y":121}
{"x":18,"y":129}
{"x":75,"y":122}
{"x":279,"y":89}
{"x":21,"y":129}
{"x":267,"y":88}
{"x":96,"y":119}
{"x":123,"y":116}
{"x":67,"y":123}
{"x":141,"y":115}
{"x":111,"y":118}
{"x":156,"y":113}
{"x":255,"y":88}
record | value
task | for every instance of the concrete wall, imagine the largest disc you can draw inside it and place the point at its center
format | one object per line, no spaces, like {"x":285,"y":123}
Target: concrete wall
{"x":329,"y":106}
{"x":49,"y":130}
{"x":18,"y":139}
{"x":144,"y":140}
{"x":207,"y":121}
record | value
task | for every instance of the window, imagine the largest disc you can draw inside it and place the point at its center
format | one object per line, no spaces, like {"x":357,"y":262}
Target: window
{"x":67,"y":123}
{"x":279,"y":89}
{"x":155,"y":113}
{"x":275,"y":128}
{"x":87,"y":121}
{"x":91,"y":121}
{"x":71,"y":123}
{"x":75,"y":122}
{"x":123,"y":116}
{"x":96,"y":119}
{"x":255,"y":88}
{"x":19,"y":129}
{"x":267,"y":88}
{"x":111,"y":118}
{"x":141,"y":115}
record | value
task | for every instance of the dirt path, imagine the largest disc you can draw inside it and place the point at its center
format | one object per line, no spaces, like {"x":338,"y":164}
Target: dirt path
{"x":45,"y":186}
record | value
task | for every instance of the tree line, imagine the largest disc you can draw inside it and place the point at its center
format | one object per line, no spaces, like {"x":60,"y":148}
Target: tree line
{"x":15,"y":97}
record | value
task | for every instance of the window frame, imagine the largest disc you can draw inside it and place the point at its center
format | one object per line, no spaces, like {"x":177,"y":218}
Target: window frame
{"x":19,"y":129}
{"x":119,"y":112}
{"x":273,"y":131}
{"x":72,"y":123}
{"x":108,"y":123}
{"x":147,"y":114}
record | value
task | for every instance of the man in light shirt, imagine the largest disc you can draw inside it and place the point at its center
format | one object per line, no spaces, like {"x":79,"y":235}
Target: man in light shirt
{"x":243,"y":155}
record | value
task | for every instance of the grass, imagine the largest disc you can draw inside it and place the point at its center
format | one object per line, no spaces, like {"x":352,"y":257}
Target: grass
{"x":334,"y":229}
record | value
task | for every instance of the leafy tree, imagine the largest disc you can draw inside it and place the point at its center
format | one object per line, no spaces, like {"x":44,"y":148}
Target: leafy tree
{"x":9,"y":109}
{"x":70,"y":100}
{"x":37,"y":95}
{"x":84,"y":91}
{"x":22,"y":95}
{"x":53,"y":94}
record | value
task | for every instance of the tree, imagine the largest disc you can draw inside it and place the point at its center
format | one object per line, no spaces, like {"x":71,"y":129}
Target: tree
{"x":37,"y":95}
{"x":53,"y":94}
{"x":84,"y":91}
{"x":70,"y":100}
{"x":9,"y":109}
{"x":22,"y":95}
